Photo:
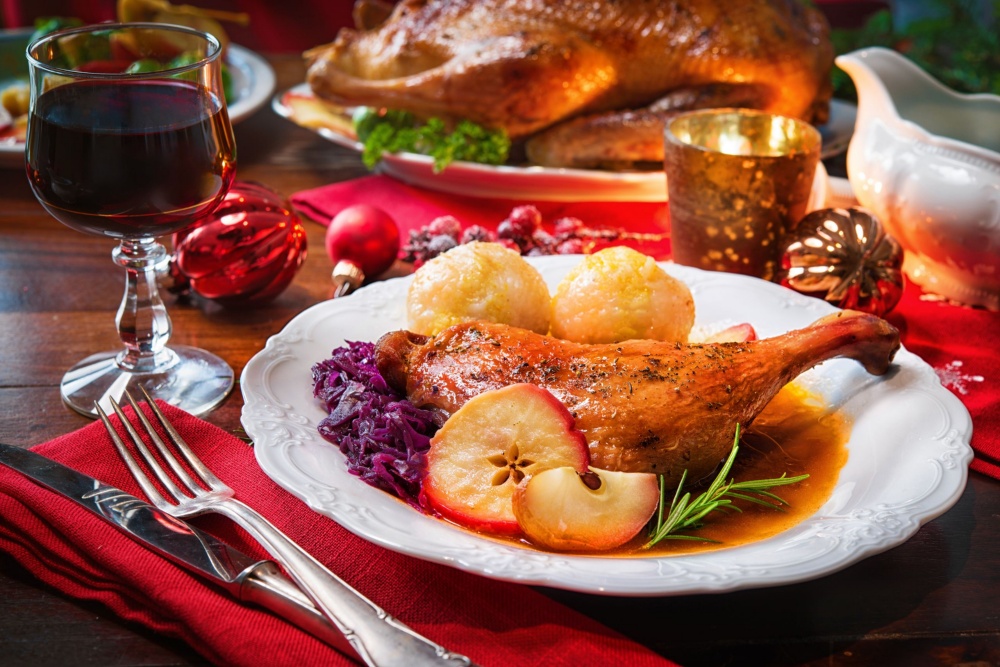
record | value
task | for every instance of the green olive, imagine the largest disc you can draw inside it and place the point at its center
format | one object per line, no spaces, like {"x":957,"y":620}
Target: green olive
{"x":184,"y":59}
{"x":144,"y":66}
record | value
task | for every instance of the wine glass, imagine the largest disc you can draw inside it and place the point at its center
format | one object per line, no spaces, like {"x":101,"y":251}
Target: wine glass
{"x":129,"y":138}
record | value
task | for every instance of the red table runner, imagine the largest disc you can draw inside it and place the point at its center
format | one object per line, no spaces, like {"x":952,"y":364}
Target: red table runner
{"x":492,"y":622}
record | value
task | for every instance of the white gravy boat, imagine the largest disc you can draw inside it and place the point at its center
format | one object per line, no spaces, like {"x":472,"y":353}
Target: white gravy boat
{"x":926,"y":161}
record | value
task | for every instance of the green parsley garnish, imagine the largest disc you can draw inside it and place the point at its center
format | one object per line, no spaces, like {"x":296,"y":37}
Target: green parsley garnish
{"x":400,"y":132}
{"x":685,"y":514}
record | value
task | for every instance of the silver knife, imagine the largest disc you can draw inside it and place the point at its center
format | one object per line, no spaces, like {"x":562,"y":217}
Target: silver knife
{"x":249,"y":580}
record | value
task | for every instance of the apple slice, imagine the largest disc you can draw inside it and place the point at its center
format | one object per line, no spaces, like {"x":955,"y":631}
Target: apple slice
{"x":597,"y":510}
{"x":738,"y":333}
{"x":489,"y":445}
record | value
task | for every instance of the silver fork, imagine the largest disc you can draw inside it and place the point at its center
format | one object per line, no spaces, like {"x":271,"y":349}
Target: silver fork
{"x":379,"y":639}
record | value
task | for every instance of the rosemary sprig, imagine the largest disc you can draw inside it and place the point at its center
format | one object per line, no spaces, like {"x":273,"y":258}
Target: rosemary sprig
{"x":687,"y":514}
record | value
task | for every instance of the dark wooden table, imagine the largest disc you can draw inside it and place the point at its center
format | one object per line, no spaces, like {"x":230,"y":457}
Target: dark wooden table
{"x":931,"y":601}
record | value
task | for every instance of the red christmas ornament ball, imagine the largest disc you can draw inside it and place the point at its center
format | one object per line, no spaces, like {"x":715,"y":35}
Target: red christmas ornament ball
{"x":247,"y":250}
{"x":365,"y":236}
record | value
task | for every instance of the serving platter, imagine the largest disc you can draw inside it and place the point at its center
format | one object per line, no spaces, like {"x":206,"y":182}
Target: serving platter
{"x":908,"y":452}
{"x":253,"y":83}
{"x":300,"y":106}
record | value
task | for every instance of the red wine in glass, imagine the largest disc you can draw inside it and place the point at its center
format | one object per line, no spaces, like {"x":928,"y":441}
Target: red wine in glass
{"x":129,"y":159}
{"x":133,"y":155}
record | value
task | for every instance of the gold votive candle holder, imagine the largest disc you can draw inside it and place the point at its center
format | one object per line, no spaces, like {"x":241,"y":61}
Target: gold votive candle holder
{"x":738,"y":181}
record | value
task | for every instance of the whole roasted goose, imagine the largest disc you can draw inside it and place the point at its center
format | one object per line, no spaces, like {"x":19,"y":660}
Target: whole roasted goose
{"x":644,"y":406}
{"x":614,"y":67}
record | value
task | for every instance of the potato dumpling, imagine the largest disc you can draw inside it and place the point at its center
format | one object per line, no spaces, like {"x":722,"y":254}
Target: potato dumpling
{"x":477,"y":281}
{"x":620,"y":294}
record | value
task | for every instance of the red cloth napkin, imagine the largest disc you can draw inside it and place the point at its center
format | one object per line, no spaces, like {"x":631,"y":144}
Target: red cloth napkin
{"x":959,"y":342}
{"x":493,"y":622}
{"x":412,"y":208}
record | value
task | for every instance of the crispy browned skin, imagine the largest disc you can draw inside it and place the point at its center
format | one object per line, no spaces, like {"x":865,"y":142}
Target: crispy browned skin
{"x":525,"y":65}
{"x":624,"y":139}
{"x":644,"y":406}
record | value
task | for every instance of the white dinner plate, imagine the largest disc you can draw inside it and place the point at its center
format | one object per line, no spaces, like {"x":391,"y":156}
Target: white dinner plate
{"x":908,"y":452}
{"x":252,"y":80}
{"x":538,"y":183}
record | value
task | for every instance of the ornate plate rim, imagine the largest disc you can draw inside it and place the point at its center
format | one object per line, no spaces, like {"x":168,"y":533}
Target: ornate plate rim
{"x":906,"y":418}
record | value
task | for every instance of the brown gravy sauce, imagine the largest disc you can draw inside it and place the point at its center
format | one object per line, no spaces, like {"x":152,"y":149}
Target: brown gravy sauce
{"x":796,"y":434}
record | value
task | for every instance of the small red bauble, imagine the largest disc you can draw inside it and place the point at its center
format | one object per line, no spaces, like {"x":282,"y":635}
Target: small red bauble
{"x":247,"y":250}
{"x":365,"y":236}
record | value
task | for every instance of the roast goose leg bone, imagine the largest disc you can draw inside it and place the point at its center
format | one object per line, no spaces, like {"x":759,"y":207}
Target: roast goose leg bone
{"x":645,"y":406}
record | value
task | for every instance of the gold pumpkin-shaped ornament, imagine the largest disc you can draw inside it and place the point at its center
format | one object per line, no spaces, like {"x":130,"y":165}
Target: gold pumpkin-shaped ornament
{"x":845,"y":257}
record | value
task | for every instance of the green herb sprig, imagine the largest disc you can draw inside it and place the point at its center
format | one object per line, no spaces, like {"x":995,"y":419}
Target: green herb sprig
{"x":399,"y":131}
{"x":687,"y":514}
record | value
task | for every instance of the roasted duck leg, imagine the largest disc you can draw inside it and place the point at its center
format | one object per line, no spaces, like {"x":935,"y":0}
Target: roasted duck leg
{"x":524,"y":65}
{"x":644,"y":406}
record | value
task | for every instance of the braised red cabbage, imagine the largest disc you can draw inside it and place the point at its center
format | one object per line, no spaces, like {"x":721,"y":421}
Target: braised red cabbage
{"x":384,"y":437}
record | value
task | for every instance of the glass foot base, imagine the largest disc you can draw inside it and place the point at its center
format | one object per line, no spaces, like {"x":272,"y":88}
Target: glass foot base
{"x":195,"y":381}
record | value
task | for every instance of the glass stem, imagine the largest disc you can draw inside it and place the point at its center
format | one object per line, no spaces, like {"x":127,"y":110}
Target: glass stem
{"x":143,"y":323}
